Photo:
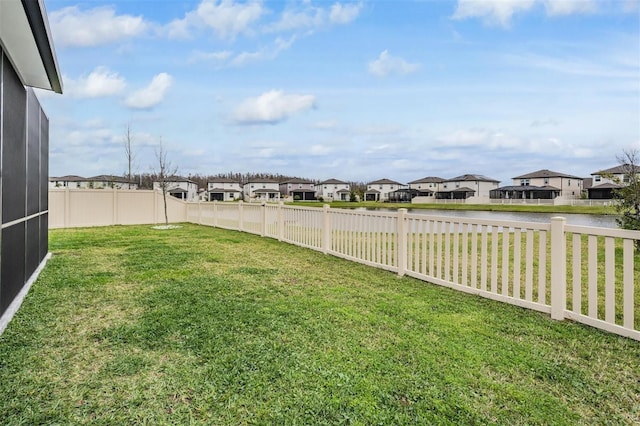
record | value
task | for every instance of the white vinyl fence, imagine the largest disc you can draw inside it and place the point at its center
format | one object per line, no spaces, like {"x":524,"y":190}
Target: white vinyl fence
{"x":588,"y":275}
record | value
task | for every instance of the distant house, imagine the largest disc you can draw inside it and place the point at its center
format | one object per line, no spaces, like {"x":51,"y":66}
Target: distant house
{"x":379,"y":190}
{"x":224,"y":189}
{"x":298,"y":189}
{"x":180,"y":187}
{"x":95,"y":182}
{"x":69,"y":181}
{"x":542,"y":184}
{"x":605,"y":182}
{"x":261,"y":190}
{"x":427,"y":186}
{"x":466,"y":186}
{"x":334,"y":189}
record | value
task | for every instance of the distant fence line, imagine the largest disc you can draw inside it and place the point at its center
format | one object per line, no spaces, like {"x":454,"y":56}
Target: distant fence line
{"x":585,"y":274}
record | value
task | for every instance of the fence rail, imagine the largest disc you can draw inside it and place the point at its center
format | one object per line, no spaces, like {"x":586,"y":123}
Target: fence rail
{"x":588,"y":275}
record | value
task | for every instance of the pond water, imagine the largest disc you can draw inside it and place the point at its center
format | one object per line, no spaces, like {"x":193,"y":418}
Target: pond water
{"x":597,"y":220}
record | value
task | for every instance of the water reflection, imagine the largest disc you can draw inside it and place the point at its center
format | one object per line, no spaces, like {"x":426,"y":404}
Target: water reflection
{"x":597,"y":220}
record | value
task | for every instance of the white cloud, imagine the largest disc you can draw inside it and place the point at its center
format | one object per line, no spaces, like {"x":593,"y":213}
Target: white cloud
{"x":99,"y":83}
{"x":73,"y":27}
{"x":387,"y":64}
{"x":320,"y":149}
{"x":497,"y":12}
{"x":226,"y":58}
{"x":569,"y":7}
{"x":343,"y":14}
{"x":308,"y":17}
{"x":151,"y":95}
{"x":272,"y":107}
{"x":501,"y":12}
{"x":225,"y":17}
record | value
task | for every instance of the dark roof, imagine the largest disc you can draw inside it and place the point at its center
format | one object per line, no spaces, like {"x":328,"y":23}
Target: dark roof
{"x":176,"y":179}
{"x":470,"y":177}
{"x":296,"y":180}
{"x":262,"y":180}
{"x":334,"y":181}
{"x":544,"y":173}
{"x":384,"y":181}
{"x":223,"y":180}
{"x":428,"y":179}
{"x":524,"y":188}
{"x":463,"y":189}
{"x":107,"y":178}
{"x":607,"y":186}
{"x":372,"y":191}
{"x":265,"y":191}
{"x":68,"y":178}
{"x":617,"y":170}
{"x":342,"y":191}
{"x":302,"y":190}
{"x":177,"y":191}
{"x":223,"y":190}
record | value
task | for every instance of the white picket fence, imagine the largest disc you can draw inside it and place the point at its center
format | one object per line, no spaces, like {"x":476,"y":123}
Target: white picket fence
{"x":585,"y":274}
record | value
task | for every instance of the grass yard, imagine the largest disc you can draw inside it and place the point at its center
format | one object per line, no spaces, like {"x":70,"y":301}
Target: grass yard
{"x":131,"y":325}
{"x":476,"y":207}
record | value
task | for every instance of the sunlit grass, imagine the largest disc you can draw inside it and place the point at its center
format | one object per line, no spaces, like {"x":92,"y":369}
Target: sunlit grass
{"x":197,"y":325}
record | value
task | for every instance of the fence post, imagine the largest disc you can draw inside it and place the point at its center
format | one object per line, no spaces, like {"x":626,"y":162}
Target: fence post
{"x":558,"y":268}
{"x":401,"y":250}
{"x":326,"y":229}
{"x":240,"y":217}
{"x":263,"y":219}
{"x":280,"y":221}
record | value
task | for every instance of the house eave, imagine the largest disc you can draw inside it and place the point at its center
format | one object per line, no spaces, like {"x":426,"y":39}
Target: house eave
{"x":27,"y":42}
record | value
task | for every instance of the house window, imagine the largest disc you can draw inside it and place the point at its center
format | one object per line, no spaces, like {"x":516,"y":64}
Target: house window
{"x":457,"y":185}
{"x":625,"y":178}
{"x":597,"y":178}
{"x":568,"y":182}
{"x":330,"y":195}
{"x":289,"y":186}
{"x":300,"y":186}
{"x":546,"y":181}
{"x":264,"y":186}
{"x":380,"y":186}
{"x":524,"y":182}
{"x":391,"y":186}
{"x":444,"y":186}
{"x":252,"y":186}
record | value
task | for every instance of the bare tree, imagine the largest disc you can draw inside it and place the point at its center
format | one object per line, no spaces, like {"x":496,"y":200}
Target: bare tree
{"x":165,"y":171}
{"x":628,"y":195}
{"x":128,"y":150}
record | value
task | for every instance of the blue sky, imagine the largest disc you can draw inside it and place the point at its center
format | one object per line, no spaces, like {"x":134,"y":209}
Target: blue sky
{"x":350,"y":90}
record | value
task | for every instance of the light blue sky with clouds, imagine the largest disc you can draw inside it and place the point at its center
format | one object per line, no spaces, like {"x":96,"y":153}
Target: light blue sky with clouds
{"x":350,"y":90}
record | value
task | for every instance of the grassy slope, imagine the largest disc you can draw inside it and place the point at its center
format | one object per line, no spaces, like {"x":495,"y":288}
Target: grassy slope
{"x":201,"y":325}
{"x":476,"y":207}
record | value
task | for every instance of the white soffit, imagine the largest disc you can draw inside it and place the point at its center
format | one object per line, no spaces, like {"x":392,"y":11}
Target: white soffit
{"x":20,"y":43}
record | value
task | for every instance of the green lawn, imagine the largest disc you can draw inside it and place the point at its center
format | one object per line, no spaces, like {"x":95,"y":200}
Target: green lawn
{"x":130,"y":325}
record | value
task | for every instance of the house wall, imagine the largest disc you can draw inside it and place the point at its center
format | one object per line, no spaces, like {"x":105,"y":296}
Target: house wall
{"x":190,"y":187}
{"x":482,"y":188}
{"x":250,"y":187}
{"x":570,"y":187}
{"x":385,"y":189}
{"x":329,"y":191}
{"x":24,"y":143}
